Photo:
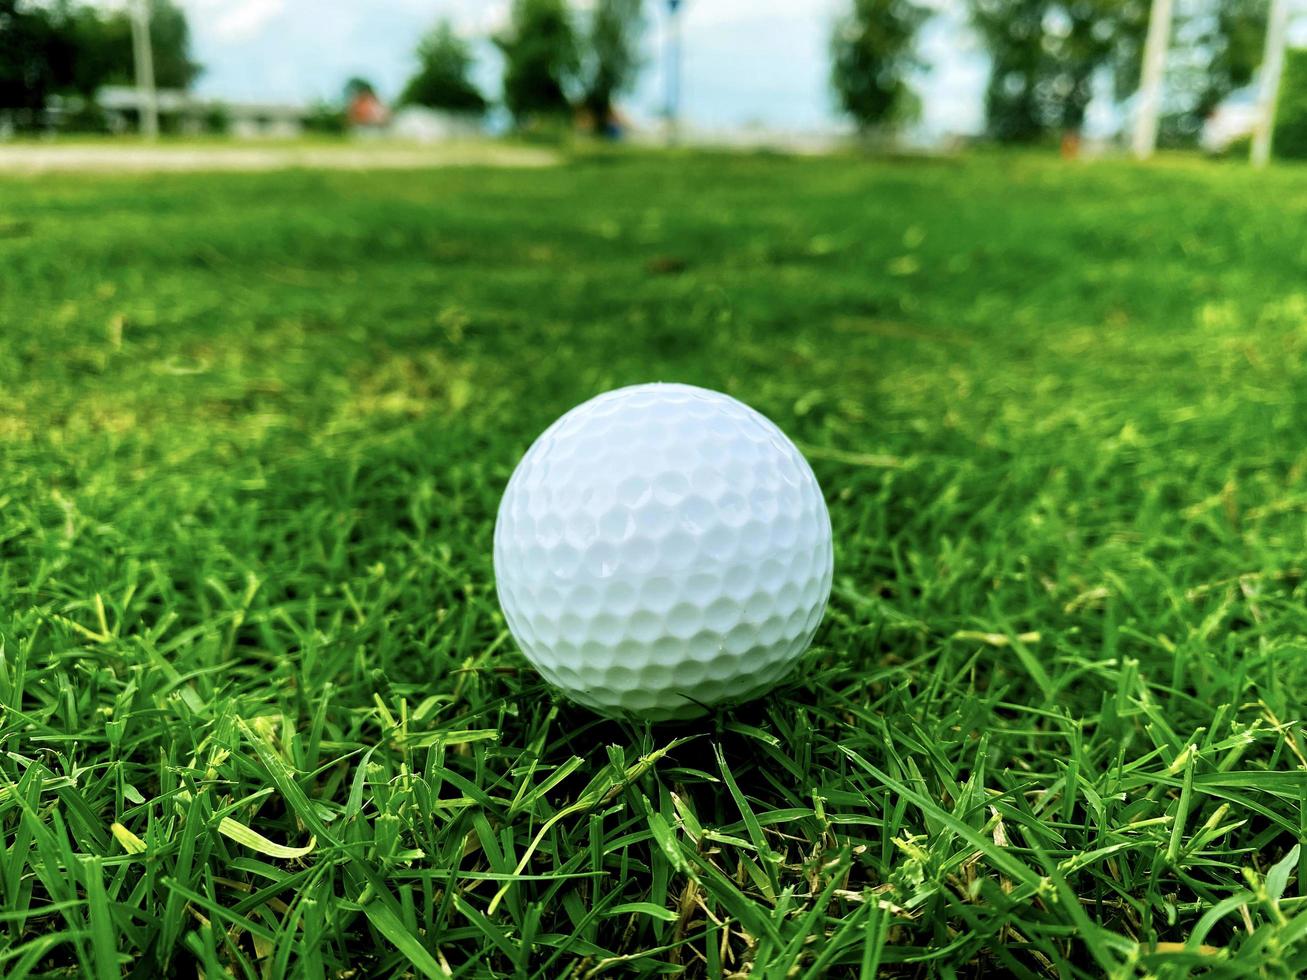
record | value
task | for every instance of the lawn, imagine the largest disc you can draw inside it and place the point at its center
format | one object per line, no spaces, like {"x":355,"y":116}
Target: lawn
{"x":259,"y":711}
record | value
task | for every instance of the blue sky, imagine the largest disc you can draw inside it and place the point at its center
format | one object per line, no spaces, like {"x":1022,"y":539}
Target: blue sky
{"x":746,"y":61}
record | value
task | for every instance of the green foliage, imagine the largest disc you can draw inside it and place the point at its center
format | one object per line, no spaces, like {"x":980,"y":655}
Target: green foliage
{"x":356,"y":85}
{"x":1044,"y":57}
{"x":541,"y":59}
{"x":80,"y":57}
{"x":1126,"y":61}
{"x":1088,"y":35}
{"x":612,"y":55}
{"x":1046,"y":52}
{"x":217,"y":120}
{"x":259,"y":712}
{"x":871,"y":55}
{"x":1013,"y":32}
{"x":1290,"y":139}
{"x":1237,"y":150}
{"x":27,"y":44}
{"x":327,"y":119}
{"x":170,"y":38}
{"x":70,"y":48}
{"x":1236,"y":45}
{"x":1217,"y":48}
{"x":444,"y":76}
{"x":103,"y":47}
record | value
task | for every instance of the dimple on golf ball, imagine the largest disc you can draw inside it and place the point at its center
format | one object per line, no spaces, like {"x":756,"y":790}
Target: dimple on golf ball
{"x":662,"y":549}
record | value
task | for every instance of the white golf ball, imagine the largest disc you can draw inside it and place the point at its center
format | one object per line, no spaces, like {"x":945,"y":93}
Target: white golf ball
{"x":662,"y":549}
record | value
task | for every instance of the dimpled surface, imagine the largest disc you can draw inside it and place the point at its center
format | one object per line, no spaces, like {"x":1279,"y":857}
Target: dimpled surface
{"x":661,"y":549}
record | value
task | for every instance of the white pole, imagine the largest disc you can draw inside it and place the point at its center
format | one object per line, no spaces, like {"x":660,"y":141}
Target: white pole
{"x":1277,"y":30}
{"x":673,"y":70}
{"x":1150,"y":80}
{"x":143,"y":55}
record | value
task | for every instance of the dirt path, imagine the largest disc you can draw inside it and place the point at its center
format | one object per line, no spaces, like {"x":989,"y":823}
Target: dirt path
{"x":135,"y":158}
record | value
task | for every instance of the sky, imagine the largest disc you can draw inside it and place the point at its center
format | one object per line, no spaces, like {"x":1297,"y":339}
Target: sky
{"x":746,"y":62}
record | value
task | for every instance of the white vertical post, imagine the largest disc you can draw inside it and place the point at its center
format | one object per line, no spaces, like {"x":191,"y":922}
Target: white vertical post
{"x":1150,"y":79}
{"x":143,"y":55}
{"x":1277,"y":29}
{"x":673,"y":108}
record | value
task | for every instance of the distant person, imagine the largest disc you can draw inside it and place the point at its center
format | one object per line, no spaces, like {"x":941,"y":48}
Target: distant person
{"x":612,"y":126}
{"x":365,"y":110}
{"x":615,"y":126}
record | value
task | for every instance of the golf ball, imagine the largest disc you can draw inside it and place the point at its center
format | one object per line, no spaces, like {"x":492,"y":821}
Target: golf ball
{"x":662,"y":549}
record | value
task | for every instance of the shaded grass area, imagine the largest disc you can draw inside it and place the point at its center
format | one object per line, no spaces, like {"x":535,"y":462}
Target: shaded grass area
{"x":259,"y":714}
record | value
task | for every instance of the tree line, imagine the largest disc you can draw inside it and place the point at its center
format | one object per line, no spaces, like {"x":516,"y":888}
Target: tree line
{"x":554,"y":62}
{"x":1045,"y":56}
{"x":66,"y":48}
{"x":557,"y":61}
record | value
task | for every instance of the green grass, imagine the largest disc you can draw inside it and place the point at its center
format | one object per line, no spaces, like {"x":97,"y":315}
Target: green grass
{"x":259,"y":713}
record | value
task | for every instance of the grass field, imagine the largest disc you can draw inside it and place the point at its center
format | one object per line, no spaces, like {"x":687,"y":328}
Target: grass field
{"x":259,"y":713}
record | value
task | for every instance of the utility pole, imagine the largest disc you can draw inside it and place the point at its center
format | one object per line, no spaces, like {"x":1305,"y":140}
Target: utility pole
{"x":1150,"y":80}
{"x":1277,"y":30}
{"x":143,"y":55}
{"x":673,"y":107}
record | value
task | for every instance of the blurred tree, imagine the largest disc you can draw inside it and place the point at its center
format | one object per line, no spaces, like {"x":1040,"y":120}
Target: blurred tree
{"x":87,"y":48}
{"x":1291,"y":114}
{"x":27,"y":41}
{"x":66,"y":47}
{"x":92,"y":51}
{"x":1236,"y":44}
{"x":356,"y":86}
{"x":1045,"y":54}
{"x":1222,"y":43}
{"x":443,"y":79}
{"x":1127,"y":57}
{"x":217,"y":119}
{"x":1080,"y":37}
{"x":1013,"y":31}
{"x":871,"y":55}
{"x":326,"y":118}
{"x":1216,"y":49}
{"x":80,"y":59}
{"x":612,"y":56}
{"x":540,"y":59}
{"x":170,"y":38}
{"x":104,"y":46}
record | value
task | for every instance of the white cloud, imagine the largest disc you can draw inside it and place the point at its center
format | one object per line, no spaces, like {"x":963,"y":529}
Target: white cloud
{"x":237,"y":20}
{"x":227,"y":20}
{"x":480,"y":18}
